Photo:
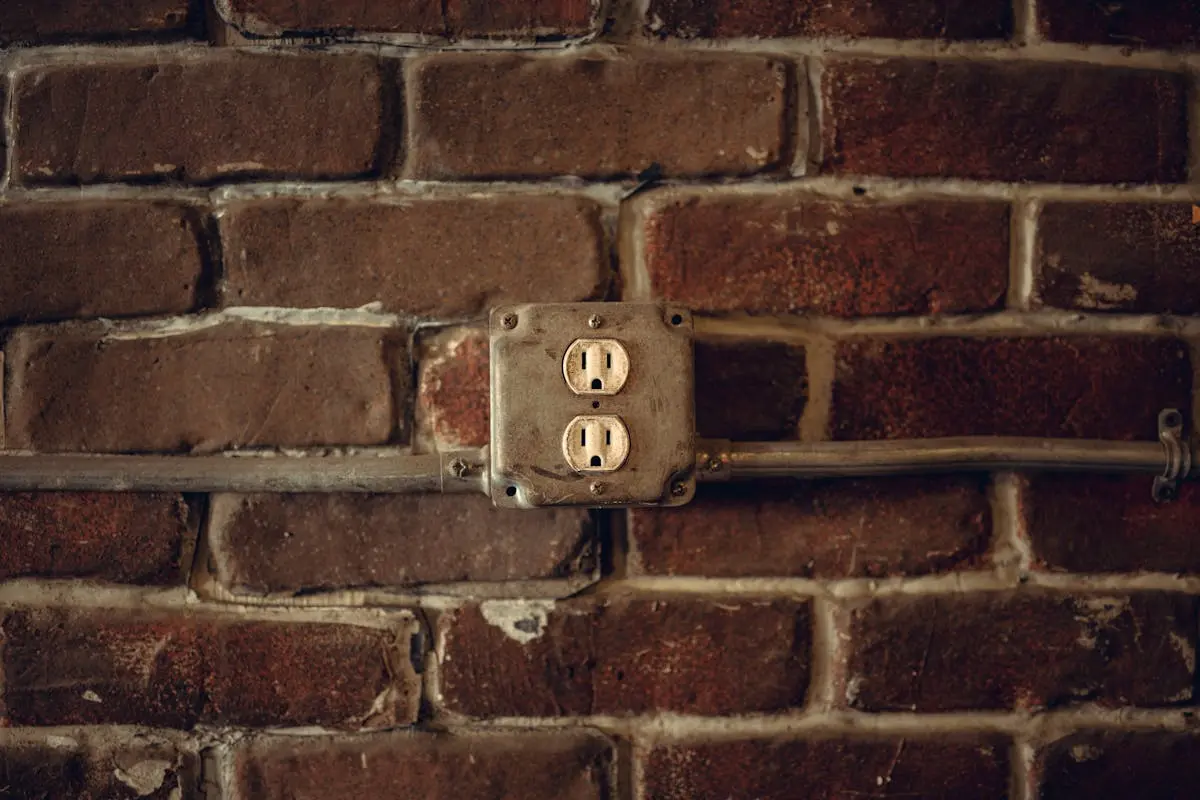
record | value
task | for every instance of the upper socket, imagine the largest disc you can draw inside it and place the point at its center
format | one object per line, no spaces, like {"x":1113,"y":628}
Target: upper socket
{"x":596,"y":366}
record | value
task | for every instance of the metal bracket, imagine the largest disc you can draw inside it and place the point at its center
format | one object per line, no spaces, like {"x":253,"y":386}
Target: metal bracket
{"x":1178,"y":453}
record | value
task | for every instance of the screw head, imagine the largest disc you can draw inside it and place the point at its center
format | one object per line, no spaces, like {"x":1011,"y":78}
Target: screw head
{"x":509,"y":321}
{"x":458,"y":468}
{"x":597,"y":488}
{"x":678,"y":490}
{"x":714,"y":465}
{"x":595,"y":321}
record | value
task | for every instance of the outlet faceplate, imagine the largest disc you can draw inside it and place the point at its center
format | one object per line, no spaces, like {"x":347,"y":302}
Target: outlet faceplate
{"x":534,"y":407}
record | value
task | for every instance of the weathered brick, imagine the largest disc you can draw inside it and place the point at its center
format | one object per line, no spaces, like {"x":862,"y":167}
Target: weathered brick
{"x":40,"y":22}
{"x":453,"y":399}
{"x":917,"y":19}
{"x":563,"y":765}
{"x":1114,"y":765}
{"x":212,"y":388}
{"x":1162,"y":23}
{"x":69,"y":668}
{"x":786,"y":252}
{"x":433,"y":257}
{"x":749,"y":390}
{"x":597,"y":655}
{"x":815,"y":769}
{"x":1083,"y":523}
{"x":1004,"y":121}
{"x":1020,"y":650}
{"x":228,"y":116}
{"x":452,"y":19}
{"x":123,"y":538}
{"x":1073,"y":387}
{"x":835,"y":529}
{"x":146,"y":767}
{"x":591,"y":115}
{"x":93,"y":259}
{"x":292,"y":543}
{"x":1131,"y":257}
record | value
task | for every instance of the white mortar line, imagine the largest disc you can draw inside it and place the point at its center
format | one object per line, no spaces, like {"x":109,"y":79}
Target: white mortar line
{"x":1023,"y":244}
{"x":808,"y":159}
{"x":1010,"y":545}
{"x":9,"y":70}
{"x":1025,"y":23}
{"x":1024,"y":782}
{"x":826,"y":662}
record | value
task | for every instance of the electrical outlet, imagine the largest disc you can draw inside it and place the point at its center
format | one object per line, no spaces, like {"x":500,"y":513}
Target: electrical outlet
{"x":595,"y":443}
{"x":556,"y":440}
{"x":596,"y":366}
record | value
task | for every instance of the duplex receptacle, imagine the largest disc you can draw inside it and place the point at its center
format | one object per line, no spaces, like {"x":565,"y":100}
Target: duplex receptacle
{"x":596,"y":443}
{"x":596,"y":366}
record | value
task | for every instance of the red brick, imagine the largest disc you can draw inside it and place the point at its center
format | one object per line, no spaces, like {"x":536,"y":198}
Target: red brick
{"x":1021,"y":650}
{"x":39,"y":21}
{"x":603,"y":655}
{"x":228,"y":116}
{"x":212,"y":388}
{"x":917,"y":19}
{"x":829,"y":529}
{"x":750,"y":390}
{"x":123,"y":538}
{"x":89,"y":668}
{"x":1112,"y":765}
{"x":1072,"y":387}
{"x":563,"y":765}
{"x":99,"y":259}
{"x":293,"y":543}
{"x":1162,"y":23}
{"x":145,"y":767}
{"x":452,"y":18}
{"x":517,"y":116}
{"x":447,"y":256}
{"x":1110,"y":524}
{"x":1004,"y":121}
{"x":453,"y":389}
{"x":817,"y":769}
{"x":782,"y":253}
{"x":1131,"y":257}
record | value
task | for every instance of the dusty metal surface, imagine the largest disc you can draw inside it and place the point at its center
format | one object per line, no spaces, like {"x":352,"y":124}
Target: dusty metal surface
{"x":532,"y":405}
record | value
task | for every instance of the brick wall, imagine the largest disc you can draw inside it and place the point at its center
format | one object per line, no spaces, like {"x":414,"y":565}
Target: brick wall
{"x":261,"y":224}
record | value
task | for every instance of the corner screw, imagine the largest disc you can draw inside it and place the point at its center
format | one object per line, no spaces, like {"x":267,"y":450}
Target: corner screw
{"x":597,"y":488}
{"x":714,"y":465}
{"x":458,"y":468}
{"x":509,"y":321}
{"x":678,"y":490}
{"x":595,"y":321}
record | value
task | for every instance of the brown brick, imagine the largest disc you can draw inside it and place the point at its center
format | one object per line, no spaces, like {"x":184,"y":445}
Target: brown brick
{"x":781,"y":253}
{"x":1004,"y":121}
{"x":118,"y":537}
{"x":562,"y":765}
{"x":816,"y":769}
{"x":1020,"y":650}
{"x":1072,"y":387}
{"x":1131,"y":257}
{"x":40,"y":22}
{"x":917,"y":19}
{"x":828,"y":529}
{"x":453,"y":389}
{"x":1162,"y":23}
{"x":518,"y":116}
{"x":99,"y":259}
{"x":231,"y":385}
{"x":87,"y":668}
{"x":453,"y":18}
{"x":1110,"y":524}
{"x":433,"y":257}
{"x":145,"y":767}
{"x":1112,"y":765}
{"x":750,"y":390}
{"x":596,"y":655}
{"x":229,"y":116}
{"x":292,"y":543}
